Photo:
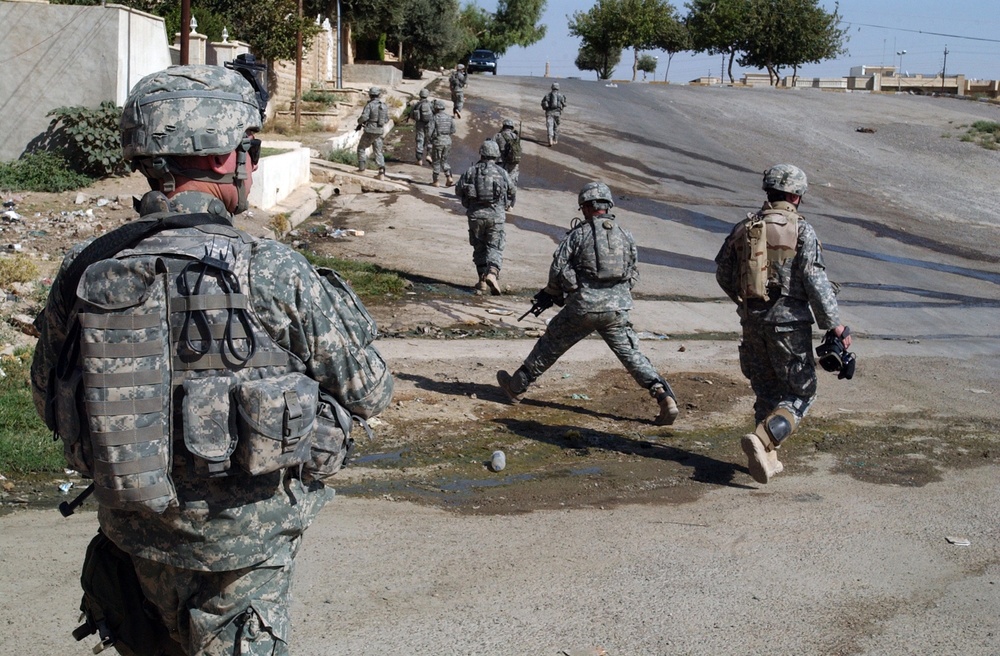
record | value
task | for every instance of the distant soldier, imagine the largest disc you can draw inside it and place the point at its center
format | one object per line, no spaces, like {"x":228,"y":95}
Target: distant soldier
{"x":457,"y":82}
{"x":442,"y":127}
{"x":553,"y":103}
{"x":374,"y":117}
{"x":486,"y":193}
{"x":421,"y":112}
{"x":509,"y":141}
{"x":592,"y":274}
{"x":771,"y":265}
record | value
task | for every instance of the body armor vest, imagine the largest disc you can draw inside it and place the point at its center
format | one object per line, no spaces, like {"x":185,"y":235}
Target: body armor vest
{"x":169,"y":354}
{"x":604,"y":260}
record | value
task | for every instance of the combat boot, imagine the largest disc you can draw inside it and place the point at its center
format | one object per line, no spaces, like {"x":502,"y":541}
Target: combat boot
{"x":481,"y":286}
{"x":420,"y":159}
{"x":381,"y":173}
{"x":760,"y":462}
{"x":513,"y":386}
{"x":449,"y":180}
{"x":668,"y":406}
{"x":434,"y":181}
{"x":491,"y":281}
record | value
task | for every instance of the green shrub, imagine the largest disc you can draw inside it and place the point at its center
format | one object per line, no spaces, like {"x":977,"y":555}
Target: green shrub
{"x":92,"y":140}
{"x":985,"y":133}
{"x":41,"y":171}
{"x":344,"y":156}
{"x":18,"y":268}
{"x":317,"y":95}
{"x":368,"y":280}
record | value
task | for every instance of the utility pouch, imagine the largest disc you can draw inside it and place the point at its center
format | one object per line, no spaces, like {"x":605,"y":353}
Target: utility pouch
{"x":209,"y":423}
{"x":753,"y":264}
{"x":333,"y":443}
{"x":62,"y":415}
{"x":277,"y":422}
{"x":113,"y":604}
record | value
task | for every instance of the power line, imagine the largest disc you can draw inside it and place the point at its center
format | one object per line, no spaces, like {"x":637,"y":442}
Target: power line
{"x":901,"y":29}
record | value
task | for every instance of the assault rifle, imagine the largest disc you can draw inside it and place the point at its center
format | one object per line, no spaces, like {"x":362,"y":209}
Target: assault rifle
{"x":540,"y":302}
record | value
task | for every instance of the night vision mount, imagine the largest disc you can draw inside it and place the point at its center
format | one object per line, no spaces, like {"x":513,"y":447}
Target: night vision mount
{"x":246,"y":65}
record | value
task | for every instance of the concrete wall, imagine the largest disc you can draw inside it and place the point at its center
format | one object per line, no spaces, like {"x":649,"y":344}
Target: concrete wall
{"x":64,"y":55}
{"x":382,"y":75}
{"x":279,"y":175}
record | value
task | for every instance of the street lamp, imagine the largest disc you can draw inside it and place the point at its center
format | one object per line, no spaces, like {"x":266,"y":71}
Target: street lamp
{"x":901,"y":53}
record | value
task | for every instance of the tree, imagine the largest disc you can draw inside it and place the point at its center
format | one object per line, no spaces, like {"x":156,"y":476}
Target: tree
{"x":623,"y":24}
{"x":600,"y":59}
{"x":514,"y":23}
{"x":431,"y":34}
{"x":718,"y":27}
{"x":647,"y":64}
{"x":790,"y":33}
{"x":672,"y":37}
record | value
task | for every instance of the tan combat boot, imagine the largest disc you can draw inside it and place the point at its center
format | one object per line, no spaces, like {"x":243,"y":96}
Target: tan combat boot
{"x":760,"y":461}
{"x":491,"y":281}
{"x":481,"y":286}
{"x":434,"y":181}
{"x":449,"y":180}
{"x":507,"y":384}
{"x":668,"y":406}
{"x":381,"y":173}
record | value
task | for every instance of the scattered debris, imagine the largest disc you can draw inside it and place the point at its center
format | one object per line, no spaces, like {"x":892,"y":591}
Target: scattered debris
{"x":865,"y":130}
{"x":978,"y":391}
{"x":504,"y":313}
{"x":958,"y":542}
{"x":580,"y":396}
{"x":498,"y":461}
{"x":648,"y":335}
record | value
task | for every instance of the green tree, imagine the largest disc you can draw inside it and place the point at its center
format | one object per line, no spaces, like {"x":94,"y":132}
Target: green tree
{"x":718,"y":27}
{"x":270,"y":26}
{"x":514,"y":23}
{"x":672,"y":37}
{"x":647,"y":64}
{"x":431,"y":35}
{"x":634,"y":24}
{"x":790,"y":33}
{"x":600,"y":59}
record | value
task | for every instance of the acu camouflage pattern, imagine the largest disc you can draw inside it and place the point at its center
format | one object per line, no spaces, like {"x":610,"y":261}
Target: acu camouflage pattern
{"x":232,"y":522}
{"x":487,"y":193}
{"x":442,"y":127}
{"x":765,"y":241}
{"x":553,"y":103}
{"x":457,"y":82}
{"x":422,"y":113}
{"x":373,"y":119}
{"x":188,"y":110}
{"x":591,"y":305}
{"x":510,"y":152}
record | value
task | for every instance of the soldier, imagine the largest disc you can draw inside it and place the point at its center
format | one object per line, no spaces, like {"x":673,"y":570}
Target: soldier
{"x":373,"y":120}
{"x":509,"y":141}
{"x":592,"y":274}
{"x":486,"y":193}
{"x":442,"y":127}
{"x":421,"y":112}
{"x":771,"y":265}
{"x":553,"y":103}
{"x":459,"y":78}
{"x":197,"y":374}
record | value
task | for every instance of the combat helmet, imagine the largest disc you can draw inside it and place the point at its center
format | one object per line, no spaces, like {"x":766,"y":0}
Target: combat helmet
{"x":596,"y":191}
{"x":424,"y":93}
{"x":461,"y":67}
{"x":374,"y":92}
{"x":489,"y":150}
{"x":508,"y":123}
{"x":785,"y":177}
{"x":191,"y":110}
{"x":438,"y":105}
{"x":555,"y":86}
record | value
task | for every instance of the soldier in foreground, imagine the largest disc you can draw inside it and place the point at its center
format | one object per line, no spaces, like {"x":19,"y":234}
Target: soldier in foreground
{"x":592,"y":274}
{"x":457,"y":81}
{"x":421,"y":112}
{"x":374,"y":117}
{"x":771,"y":266}
{"x":509,"y":141}
{"x":553,"y":103}
{"x":442,"y":127}
{"x":205,"y":380}
{"x":487,"y":193}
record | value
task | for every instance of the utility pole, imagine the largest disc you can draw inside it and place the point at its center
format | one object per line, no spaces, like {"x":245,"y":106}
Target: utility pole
{"x":944,"y":67}
{"x":185,"y":32}
{"x":298,"y":73}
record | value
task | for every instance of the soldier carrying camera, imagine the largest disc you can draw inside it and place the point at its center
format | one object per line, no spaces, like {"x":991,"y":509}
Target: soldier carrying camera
{"x":771,"y":265}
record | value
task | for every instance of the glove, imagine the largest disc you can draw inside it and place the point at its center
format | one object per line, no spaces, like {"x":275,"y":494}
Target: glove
{"x":357,"y":128}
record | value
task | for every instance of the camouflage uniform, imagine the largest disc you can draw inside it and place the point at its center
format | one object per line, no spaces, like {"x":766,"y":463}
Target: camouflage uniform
{"x":457,"y":82}
{"x":506,"y":140}
{"x":776,"y":353}
{"x":374,"y":117}
{"x":217,"y":562}
{"x":442,"y":127}
{"x":553,"y":103}
{"x":593,"y":302}
{"x":422,"y":112}
{"x":486,"y":193}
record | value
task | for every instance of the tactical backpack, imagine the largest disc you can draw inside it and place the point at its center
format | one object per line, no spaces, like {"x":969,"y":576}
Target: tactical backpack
{"x":607,"y":261}
{"x":164,"y":351}
{"x":424,"y":111}
{"x":769,"y":239}
{"x":511,"y":151}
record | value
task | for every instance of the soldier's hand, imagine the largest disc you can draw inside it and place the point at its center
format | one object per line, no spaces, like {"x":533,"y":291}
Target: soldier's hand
{"x":844,"y":333}
{"x":357,"y":128}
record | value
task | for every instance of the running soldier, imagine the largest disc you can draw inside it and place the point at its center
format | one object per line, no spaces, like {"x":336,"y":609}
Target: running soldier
{"x":592,"y":274}
{"x":457,"y":81}
{"x":374,"y":117}
{"x":421,"y":113}
{"x":771,"y":266}
{"x":442,"y":127}
{"x":509,"y":141}
{"x":487,"y":193}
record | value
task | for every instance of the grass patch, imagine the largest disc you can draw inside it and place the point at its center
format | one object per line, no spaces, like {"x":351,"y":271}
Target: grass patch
{"x":26,"y":445}
{"x":368,"y":280}
{"x":41,"y":171}
{"x":325,"y":98}
{"x":267,"y":152}
{"x":19,"y":268}
{"x":985,"y":133}
{"x":344,"y":156}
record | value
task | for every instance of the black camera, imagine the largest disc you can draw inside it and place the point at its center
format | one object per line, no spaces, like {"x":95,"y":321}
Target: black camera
{"x":834,"y":356}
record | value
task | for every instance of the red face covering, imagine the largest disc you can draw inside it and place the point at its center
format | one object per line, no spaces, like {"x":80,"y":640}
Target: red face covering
{"x":221,"y":164}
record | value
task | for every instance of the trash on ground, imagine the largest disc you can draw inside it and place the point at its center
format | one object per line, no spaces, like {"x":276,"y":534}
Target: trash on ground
{"x":498,"y":461}
{"x":958,"y":542}
{"x":65,"y":487}
{"x":580,"y":396}
{"x":648,"y":335}
{"x":979,"y":391}
{"x":504,"y":313}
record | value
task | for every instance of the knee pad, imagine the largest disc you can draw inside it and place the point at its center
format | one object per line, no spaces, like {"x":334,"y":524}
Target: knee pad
{"x":776,"y":427}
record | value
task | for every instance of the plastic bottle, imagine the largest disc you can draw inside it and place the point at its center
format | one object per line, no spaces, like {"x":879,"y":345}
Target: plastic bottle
{"x":498,"y":461}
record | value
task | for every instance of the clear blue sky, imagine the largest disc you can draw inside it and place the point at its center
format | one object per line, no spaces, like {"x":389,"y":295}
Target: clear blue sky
{"x":878,"y":30}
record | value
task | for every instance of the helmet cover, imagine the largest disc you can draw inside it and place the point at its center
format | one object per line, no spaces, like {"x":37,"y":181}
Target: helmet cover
{"x":489,"y":149}
{"x":595,"y":191}
{"x":785,"y":177}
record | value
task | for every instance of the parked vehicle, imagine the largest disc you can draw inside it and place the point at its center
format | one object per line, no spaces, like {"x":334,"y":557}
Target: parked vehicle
{"x":482,"y":60}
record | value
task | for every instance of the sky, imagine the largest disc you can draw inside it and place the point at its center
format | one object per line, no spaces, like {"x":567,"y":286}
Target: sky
{"x":878,"y":30}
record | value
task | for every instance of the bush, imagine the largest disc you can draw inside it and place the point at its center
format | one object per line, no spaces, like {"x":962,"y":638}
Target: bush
{"x":316,"y":95}
{"x":19,"y":268}
{"x":41,"y":171}
{"x":344,"y":156}
{"x":92,"y":143}
{"x":368,"y":280}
